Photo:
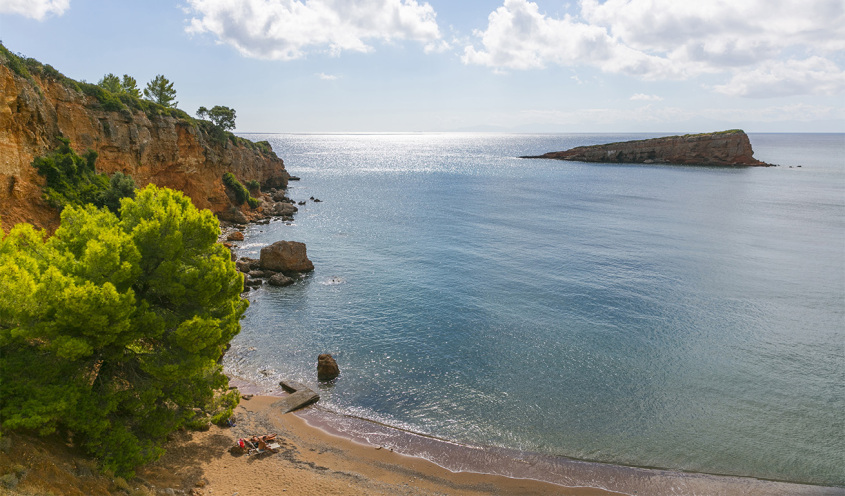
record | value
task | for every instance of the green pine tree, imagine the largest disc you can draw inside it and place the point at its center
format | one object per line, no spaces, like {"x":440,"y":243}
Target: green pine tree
{"x":113,"y":327}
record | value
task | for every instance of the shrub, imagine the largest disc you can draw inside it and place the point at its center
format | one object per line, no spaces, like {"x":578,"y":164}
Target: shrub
{"x":15,"y":63}
{"x":241,"y":193}
{"x":73,"y":180}
{"x":108,"y":100}
{"x":264,"y":147}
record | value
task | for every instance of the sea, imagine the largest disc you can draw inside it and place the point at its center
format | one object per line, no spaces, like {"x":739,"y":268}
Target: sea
{"x":678,"y":319}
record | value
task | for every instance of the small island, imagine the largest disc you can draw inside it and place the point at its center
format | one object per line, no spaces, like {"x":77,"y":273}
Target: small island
{"x":725,"y":148}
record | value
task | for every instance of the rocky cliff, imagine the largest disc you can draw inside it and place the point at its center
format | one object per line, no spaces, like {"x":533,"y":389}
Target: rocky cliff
{"x":726,"y":148}
{"x":153,"y":147}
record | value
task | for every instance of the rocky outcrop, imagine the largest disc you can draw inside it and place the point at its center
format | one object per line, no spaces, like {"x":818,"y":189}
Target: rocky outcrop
{"x":156,"y":148}
{"x":327,"y":368}
{"x":300,"y":396}
{"x":726,"y":148}
{"x":288,"y":257}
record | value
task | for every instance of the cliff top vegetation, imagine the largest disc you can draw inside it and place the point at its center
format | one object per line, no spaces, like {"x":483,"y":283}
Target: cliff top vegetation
{"x":114,"y":95}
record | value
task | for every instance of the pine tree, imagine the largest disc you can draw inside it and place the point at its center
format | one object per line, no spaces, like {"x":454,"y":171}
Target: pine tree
{"x":113,"y":327}
{"x":160,"y":90}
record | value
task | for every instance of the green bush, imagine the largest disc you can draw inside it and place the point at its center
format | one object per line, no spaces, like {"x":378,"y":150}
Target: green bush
{"x":253,"y":185}
{"x":15,"y":63}
{"x":264,"y":147}
{"x":241,"y":193}
{"x":73,"y":180}
{"x":108,"y":100}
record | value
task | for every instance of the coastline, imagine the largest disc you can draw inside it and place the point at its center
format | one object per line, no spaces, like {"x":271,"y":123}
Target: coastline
{"x":452,"y":457}
{"x":313,"y":461}
{"x":478,"y":469}
{"x":339,"y":433}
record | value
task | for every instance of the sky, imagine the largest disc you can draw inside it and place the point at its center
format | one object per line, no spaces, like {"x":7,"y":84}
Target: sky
{"x":583,"y":66}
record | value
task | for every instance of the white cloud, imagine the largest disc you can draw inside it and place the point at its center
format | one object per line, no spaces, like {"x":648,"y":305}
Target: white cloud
{"x":35,"y":9}
{"x":644,"y":97}
{"x":657,"y":116}
{"x":814,"y":75}
{"x":671,"y":39}
{"x":289,"y":29}
{"x":518,"y":36}
{"x":721,"y":32}
{"x":326,"y":77}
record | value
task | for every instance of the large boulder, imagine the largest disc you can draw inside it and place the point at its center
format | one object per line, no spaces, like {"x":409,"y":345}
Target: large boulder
{"x":286,"y":256}
{"x":327,"y":368}
{"x":283,"y":209}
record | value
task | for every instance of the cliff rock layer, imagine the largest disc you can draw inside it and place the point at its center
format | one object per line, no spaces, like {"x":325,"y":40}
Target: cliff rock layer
{"x":726,"y":148}
{"x":157,"y":148}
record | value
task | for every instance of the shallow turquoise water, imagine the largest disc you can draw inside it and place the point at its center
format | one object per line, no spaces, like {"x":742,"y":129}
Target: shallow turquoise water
{"x":679,"y":317}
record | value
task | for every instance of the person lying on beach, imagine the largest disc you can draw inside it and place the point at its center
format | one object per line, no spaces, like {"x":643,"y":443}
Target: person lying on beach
{"x":266,"y":437}
{"x":263,"y":446}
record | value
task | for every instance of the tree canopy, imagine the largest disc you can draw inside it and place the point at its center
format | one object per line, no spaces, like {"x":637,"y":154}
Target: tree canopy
{"x":130,"y":86}
{"x":110,"y":82}
{"x":114,"y":84}
{"x":160,"y":90}
{"x":220,"y":116}
{"x":113,"y":327}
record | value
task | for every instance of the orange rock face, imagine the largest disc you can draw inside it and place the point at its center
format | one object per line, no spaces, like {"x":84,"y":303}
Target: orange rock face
{"x":160,"y":149}
{"x":728,"y":148}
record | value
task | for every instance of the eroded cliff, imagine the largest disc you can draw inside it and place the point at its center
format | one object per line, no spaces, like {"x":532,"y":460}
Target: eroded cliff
{"x":152,"y":147}
{"x":725,"y":148}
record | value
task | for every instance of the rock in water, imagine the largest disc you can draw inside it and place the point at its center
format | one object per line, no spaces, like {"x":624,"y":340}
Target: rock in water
{"x":279,"y":279}
{"x":326,"y":368}
{"x":725,"y":148}
{"x":235,"y":236}
{"x":297,"y":400}
{"x":286,"y":256}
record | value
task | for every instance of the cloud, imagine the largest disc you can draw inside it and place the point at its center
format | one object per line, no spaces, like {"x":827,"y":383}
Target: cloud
{"x":326,"y":77}
{"x":644,"y":97}
{"x":815,"y":75}
{"x":518,"y":36}
{"x":603,"y":117}
{"x":35,"y":9}
{"x":290,"y":29}
{"x":670,"y":39}
{"x":721,"y":33}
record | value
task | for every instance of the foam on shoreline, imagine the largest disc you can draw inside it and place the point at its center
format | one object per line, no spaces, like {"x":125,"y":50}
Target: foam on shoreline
{"x":521,"y":465}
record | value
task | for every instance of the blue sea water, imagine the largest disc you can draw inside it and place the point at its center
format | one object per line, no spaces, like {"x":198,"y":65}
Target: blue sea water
{"x":688,"y":318}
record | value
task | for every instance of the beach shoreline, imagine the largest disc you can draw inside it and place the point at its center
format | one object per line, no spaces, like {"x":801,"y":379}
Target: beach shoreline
{"x":313,"y":461}
{"x":326,"y":452}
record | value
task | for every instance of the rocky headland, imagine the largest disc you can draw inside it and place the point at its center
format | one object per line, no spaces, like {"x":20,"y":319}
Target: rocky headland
{"x":167,"y":148}
{"x":726,"y":148}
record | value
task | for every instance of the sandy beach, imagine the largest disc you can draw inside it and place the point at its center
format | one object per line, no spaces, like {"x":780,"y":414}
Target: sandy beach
{"x":322,"y":459}
{"x":312,"y":461}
